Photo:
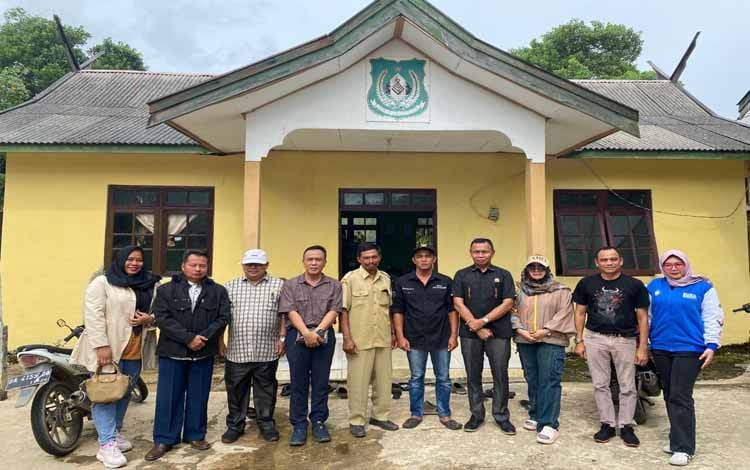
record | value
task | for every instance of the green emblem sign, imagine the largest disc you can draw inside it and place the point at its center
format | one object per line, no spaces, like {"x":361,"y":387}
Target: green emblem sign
{"x":398,"y":88}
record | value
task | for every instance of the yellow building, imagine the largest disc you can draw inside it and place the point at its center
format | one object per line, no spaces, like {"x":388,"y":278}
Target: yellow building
{"x":399,"y":127}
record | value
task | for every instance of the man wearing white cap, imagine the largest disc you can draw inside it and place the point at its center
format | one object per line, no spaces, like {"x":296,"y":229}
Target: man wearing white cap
{"x":256,"y":341}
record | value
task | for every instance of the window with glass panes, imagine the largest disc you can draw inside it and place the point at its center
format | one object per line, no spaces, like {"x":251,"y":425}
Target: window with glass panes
{"x":587,"y":220}
{"x":163,"y":221}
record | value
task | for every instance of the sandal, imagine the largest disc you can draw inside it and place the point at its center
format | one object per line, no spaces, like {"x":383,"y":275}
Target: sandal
{"x":548,"y":435}
{"x":451,"y":424}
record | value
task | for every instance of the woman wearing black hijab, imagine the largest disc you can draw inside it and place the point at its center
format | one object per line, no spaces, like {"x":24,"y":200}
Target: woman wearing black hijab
{"x":116,"y":310}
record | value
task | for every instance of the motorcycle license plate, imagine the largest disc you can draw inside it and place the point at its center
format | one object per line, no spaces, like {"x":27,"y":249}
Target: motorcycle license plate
{"x":32,"y":379}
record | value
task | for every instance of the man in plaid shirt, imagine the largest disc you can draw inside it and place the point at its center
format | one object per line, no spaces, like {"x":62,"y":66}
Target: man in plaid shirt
{"x":256,"y":341}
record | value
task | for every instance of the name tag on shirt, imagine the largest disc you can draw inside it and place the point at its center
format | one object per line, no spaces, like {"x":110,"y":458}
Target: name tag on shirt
{"x":689,"y":295}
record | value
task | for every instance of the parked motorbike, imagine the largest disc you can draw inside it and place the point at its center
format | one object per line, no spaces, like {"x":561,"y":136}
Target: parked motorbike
{"x":647,"y":385}
{"x":59,"y":405}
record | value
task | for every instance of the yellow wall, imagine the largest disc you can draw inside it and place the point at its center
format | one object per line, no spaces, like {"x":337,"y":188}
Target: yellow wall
{"x":55,"y":215}
{"x":54,"y":227}
{"x":299,"y":201}
{"x":717,"y":248}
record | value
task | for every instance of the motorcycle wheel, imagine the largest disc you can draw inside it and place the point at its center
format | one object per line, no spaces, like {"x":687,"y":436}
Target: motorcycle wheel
{"x":139,"y":392}
{"x":640,"y":415}
{"x":57,"y":428}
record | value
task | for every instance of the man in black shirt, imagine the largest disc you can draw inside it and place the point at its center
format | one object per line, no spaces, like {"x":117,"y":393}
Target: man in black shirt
{"x":614,"y":308}
{"x":425,"y":323}
{"x":483,"y":296}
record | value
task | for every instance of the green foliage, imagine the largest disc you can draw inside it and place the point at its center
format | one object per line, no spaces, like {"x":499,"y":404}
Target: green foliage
{"x":13,"y":89}
{"x":117,"y":56}
{"x":577,"y":50}
{"x":31,"y":42}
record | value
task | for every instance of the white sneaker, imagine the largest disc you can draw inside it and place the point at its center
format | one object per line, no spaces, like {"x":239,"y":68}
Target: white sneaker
{"x":111,"y":456}
{"x":667,"y":449}
{"x":548,"y":435}
{"x":123,"y":444}
{"x":680,"y":459}
{"x":529,"y":425}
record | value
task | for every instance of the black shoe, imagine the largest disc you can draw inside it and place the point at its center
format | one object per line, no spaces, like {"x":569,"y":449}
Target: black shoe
{"x":628,"y":436}
{"x":472,"y":424}
{"x":605,"y":433}
{"x":268,"y":431}
{"x":386,"y":425}
{"x":507,"y":428}
{"x":357,"y":430}
{"x":230,"y":436}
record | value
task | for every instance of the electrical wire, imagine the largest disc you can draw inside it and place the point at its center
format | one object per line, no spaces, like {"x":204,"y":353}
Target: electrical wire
{"x":676,"y":214}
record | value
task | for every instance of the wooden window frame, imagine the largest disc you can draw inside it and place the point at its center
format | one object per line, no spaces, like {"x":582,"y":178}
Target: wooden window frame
{"x":161,"y":211}
{"x":603,"y":212}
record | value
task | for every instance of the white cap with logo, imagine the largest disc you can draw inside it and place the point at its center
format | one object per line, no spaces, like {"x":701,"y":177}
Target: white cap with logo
{"x":255,"y":256}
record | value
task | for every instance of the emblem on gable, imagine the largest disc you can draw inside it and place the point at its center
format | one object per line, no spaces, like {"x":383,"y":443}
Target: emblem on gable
{"x":398,"y":88}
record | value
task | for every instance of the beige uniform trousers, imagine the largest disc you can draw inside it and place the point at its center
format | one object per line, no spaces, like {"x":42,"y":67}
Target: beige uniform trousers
{"x":369,"y":366}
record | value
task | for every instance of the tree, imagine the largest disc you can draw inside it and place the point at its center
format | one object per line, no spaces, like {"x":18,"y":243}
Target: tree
{"x":577,"y":50}
{"x":117,"y":56}
{"x":12,"y":86}
{"x":32,"y":42}
{"x":29,"y":44}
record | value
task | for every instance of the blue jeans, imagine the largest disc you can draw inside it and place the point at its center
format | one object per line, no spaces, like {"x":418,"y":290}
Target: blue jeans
{"x":108,"y":417}
{"x":543,"y":368}
{"x":309,"y":370}
{"x":441,"y":360}
{"x":182,"y":391}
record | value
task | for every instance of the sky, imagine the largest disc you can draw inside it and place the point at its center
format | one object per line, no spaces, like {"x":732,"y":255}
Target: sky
{"x":219,"y":36}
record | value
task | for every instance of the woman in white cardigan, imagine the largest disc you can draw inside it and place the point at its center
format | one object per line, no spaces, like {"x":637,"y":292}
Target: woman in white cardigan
{"x":116,"y":313}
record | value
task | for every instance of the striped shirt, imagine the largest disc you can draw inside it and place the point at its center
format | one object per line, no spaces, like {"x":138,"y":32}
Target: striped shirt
{"x":254,"y":326}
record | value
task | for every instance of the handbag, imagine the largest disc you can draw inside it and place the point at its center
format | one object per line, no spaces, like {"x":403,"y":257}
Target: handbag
{"x":106,"y":387}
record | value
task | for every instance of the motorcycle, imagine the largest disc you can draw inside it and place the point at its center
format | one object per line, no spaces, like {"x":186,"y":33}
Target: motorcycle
{"x":59,"y":405}
{"x":647,"y":385}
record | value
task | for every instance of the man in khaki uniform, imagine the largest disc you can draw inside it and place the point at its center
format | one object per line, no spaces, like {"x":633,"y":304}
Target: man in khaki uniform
{"x":368,"y":339}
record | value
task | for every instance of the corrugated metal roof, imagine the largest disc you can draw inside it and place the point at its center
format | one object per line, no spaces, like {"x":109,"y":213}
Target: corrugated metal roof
{"x":109,"y":107}
{"x":670,"y":119}
{"x":97,"y":107}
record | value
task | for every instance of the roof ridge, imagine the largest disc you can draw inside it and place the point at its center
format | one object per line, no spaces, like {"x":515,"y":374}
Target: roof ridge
{"x":616,"y":80}
{"x":148,"y":72}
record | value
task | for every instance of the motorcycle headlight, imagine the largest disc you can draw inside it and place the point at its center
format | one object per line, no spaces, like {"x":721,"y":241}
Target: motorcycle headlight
{"x":28,"y":361}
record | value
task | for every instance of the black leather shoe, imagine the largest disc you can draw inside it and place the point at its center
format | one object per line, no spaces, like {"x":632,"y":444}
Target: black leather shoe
{"x":230,"y":436}
{"x":507,"y":428}
{"x":385,"y":425}
{"x":157,"y":452}
{"x":268,"y":431}
{"x":472,"y":425}
{"x":357,"y":430}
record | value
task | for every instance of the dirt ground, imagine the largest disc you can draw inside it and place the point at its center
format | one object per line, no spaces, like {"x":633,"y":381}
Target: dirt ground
{"x":721,"y":407}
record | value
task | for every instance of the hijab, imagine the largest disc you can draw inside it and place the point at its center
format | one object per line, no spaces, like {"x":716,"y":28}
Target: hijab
{"x":689,"y":278}
{"x":544,"y":285}
{"x":142,"y":282}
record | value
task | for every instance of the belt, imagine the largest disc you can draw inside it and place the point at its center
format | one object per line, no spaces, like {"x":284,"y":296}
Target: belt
{"x":614,"y":335}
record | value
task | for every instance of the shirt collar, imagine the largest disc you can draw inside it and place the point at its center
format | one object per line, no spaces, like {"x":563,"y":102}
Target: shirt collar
{"x":491,"y":267}
{"x":324,"y":280}
{"x":413,"y":276}
{"x":363,"y":272}
{"x":262,"y":280}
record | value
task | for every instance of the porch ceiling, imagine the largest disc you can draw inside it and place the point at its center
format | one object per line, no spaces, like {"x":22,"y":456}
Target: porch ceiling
{"x":397,"y":141}
{"x":213,"y":112}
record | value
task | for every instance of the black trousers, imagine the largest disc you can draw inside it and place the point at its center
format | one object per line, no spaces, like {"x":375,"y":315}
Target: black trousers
{"x":498,"y":352}
{"x":678,"y":372}
{"x":239,"y":377}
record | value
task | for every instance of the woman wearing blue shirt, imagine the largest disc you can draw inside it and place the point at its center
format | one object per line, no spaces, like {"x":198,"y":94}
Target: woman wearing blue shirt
{"x":686,"y":321}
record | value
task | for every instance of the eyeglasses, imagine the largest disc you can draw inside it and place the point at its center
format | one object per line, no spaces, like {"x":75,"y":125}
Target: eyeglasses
{"x":673,"y":265}
{"x":537,"y":267}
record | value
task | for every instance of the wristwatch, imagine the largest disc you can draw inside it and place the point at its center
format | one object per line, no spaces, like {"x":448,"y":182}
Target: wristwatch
{"x":579,"y":341}
{"x":485,"y":320}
